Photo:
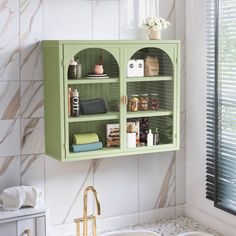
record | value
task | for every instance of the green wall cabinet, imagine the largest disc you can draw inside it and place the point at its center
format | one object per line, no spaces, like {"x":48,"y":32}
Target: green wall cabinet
{"x":115,"y":55}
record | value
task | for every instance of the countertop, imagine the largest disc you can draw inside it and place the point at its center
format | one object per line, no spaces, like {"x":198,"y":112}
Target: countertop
{"x":169,"y":227}
{"x":23,"y":213}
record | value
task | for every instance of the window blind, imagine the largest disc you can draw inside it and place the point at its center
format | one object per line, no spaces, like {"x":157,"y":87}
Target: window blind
{"x":221,"y":104}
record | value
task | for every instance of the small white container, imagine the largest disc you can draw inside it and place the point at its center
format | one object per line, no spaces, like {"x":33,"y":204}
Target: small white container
{"x":139,"y":68}
{"x":150,"y":138}
{"x":131,"y":68}
{"x":131,"y":140}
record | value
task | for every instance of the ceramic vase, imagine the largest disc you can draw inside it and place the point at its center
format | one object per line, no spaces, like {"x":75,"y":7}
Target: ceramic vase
{"x":154,"y":34}
{"x":98,"y":69}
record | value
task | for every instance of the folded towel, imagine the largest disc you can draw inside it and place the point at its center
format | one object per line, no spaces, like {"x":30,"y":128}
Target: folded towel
{"x":85,"y":138}
{"x":14,"y":198}
{"x":86,"y":147}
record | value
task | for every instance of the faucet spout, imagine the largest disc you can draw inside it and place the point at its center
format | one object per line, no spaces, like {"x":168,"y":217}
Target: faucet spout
{"x":91,"y":188}
{"x":85,"y":211}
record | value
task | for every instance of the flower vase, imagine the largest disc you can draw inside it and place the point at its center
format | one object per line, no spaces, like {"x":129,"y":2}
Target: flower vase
{"x":154,"y":34}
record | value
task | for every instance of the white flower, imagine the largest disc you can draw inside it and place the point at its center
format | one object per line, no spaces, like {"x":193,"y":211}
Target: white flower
{"x":151,"y":23}
{"x":156,"y":23}
{"x":155,"y":28}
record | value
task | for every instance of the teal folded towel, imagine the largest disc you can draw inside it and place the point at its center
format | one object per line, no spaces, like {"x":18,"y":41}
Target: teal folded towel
{"x":86,"y":147}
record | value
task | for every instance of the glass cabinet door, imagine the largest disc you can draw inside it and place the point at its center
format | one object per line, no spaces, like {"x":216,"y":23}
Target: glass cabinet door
{"x":98,"y":86}
{"x":151,"y":96}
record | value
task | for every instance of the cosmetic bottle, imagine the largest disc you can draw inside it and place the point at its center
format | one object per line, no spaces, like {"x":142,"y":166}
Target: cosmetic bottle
{"x":150,"y":138}
{"x":72,"y":69}
{"x":75,"y":103}
{"x":156,"y":137}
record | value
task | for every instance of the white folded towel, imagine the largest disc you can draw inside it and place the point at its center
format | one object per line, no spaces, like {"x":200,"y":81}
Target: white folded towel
{"x":14,"y":198}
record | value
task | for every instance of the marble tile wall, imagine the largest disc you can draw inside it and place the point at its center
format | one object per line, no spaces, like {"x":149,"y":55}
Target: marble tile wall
{"x":126,"y":185}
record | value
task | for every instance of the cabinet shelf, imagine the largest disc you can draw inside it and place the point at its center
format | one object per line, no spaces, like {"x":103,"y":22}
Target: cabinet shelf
{"x":95,"y":117}
{"x":111,"y":127}
{"x":96,"y":153}
{"x":160,"y":112}
{"x":92,"y":81}
{"x":142,"y":79}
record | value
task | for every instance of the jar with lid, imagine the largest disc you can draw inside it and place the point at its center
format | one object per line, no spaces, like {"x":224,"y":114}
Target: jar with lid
{"x":154,"y":103}
{"x":143,"y":102}
{"x":133,"y":102}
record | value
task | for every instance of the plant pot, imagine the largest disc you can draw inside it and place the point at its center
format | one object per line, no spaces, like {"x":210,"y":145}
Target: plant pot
{"x":154,"y":34}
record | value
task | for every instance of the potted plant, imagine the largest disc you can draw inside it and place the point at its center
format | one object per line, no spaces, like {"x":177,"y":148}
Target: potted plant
{"x":154,"y":26}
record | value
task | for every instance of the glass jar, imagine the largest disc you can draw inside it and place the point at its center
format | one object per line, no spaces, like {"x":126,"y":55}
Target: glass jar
{"x":143,"y":102}
{"x":133,"y":102}
{"x":154,"y":103}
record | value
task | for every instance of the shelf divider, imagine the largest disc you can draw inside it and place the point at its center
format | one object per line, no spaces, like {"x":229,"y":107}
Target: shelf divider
{"x":160,"y":112}
{"x":144,"y":79}
{"x":92,"y":81}
{"x":94,"y":117}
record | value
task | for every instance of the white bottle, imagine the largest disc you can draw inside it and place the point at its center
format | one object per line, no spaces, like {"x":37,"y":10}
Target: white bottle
{"x":150,"y":138}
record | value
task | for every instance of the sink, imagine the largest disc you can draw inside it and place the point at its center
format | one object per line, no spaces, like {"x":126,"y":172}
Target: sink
{"x":133,"y":233}
{"x":195,"y":233}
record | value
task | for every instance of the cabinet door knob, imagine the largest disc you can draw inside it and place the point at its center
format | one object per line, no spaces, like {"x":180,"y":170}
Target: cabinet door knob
{"x":123,"y":99}
{"x":26,"y":232}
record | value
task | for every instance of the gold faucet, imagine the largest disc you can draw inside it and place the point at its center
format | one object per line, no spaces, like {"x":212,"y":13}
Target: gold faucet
{"x":85,"y":217}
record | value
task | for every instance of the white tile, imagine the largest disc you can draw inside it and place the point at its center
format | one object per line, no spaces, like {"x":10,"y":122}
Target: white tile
{"x":32,"y":99}
{"x":180,"y":176}
{"x":32,"y":136}
{"x":32,"y":170}
{"x":195,"y":186}
{"x":180,"y":20}
{"x":183,"y":129}
{"x":67,"y":20}
{"x":9,"y":172}
{"x":64,"y":188}
{"x":132,"y":15}
{"x":196,"y":133}
{"x":196,"y":16}
{"x":112,"y":223}
{"x":167,"y":11}
{"x":105,"y":19}
{"x":157,"y":214}
{"x":10,"y":100}
{"x":196,"y":66}
{"x":31,"y":31}
{"x":156,"y":181}
{"x":9,"y":138}
{"x":9,"y":40}
{"x":116,"y":180}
